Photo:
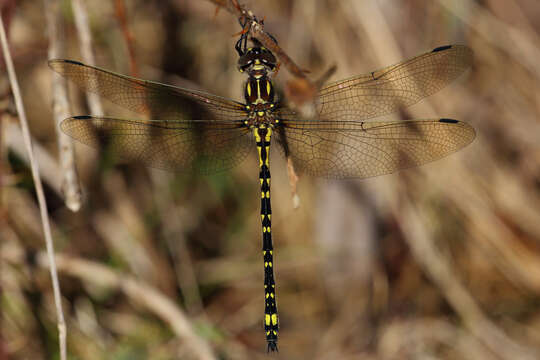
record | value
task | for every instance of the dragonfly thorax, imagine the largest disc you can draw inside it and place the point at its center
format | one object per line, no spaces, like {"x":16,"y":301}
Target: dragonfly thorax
{"x":259,"y":90}
{"x":260,"y":114}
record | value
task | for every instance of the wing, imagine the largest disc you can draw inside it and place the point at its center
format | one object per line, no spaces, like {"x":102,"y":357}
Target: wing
{"x":202,"y":146}
{"x":342,"y":149}
{"x":387,"y":90}
{"x":153,"y":99}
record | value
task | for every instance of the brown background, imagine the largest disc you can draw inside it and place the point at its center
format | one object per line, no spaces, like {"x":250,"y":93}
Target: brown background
{"x":441,"y":261}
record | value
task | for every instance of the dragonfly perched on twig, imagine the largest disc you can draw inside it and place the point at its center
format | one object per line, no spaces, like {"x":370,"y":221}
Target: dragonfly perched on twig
{"x":341,"y":142}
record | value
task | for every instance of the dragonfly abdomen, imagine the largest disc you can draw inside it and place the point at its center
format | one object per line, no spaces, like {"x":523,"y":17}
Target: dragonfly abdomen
{"x":263,"y":136}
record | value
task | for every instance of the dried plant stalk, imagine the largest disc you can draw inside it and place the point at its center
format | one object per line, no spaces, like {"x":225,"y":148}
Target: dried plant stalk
{"x":62,"y":331}
{"x":61,"y":110}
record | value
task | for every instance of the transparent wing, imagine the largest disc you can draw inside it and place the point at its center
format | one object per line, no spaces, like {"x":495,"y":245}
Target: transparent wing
{"x":387,"y":90}
{"x":153,"y":99}
{"x":344,"y":149}
{"x":202,"y":146}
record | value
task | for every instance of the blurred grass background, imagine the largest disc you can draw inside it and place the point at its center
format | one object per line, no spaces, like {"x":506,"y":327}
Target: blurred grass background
{"x":441,"y":261}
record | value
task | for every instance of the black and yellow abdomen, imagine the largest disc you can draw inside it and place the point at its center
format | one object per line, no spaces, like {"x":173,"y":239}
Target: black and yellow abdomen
{"x":263,"y":136}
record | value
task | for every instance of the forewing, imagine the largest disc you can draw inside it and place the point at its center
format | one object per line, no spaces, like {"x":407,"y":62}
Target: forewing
{"x":200,"y":146}
{"x":336,"y":149}
{"x":387,"y":90}
{"x":153,"y":99}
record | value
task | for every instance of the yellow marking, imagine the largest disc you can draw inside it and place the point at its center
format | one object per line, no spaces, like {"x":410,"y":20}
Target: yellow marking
{"x":257,"y":61}
{"x":268,"y":332}
{"x":259,"y":90}
{"x":248,"y":88}
{"x":271,"y":105}
{"x":264,"y":251}
{"x":264,"y":229}
{"x":267,"y":295}
{"x":256,"y":134}
{"x":271,"y":252}
{"x":268,"y":87}
{"x":265,"y":286}
{"x":267,"y":319}
{"x":261,"y":181}
{"x":268,"y":134}
{"x":266,"y":264}
{"x":275,"y":332}
{"x":274,"y":319}
{"x":270,"y":263}
{"x":273,"y":286}
{"x":247,"y":106}
{"x":268,"y":194}
{"x":272,"y":295}
{"x":262,"y":195}
{"x":258,"y":67}
{"x":260,"y":113}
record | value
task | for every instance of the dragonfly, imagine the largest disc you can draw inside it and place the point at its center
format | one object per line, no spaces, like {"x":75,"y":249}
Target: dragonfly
{"x":194,"y":131}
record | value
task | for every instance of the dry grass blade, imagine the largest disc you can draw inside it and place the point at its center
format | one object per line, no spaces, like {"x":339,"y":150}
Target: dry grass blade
{"x":438,"y":268}
{"x":139,"y":291}
{"x":85,"y":40}
{"x":120,"y":8}
{"x":39,"y":191}
{"x":61,"y":109}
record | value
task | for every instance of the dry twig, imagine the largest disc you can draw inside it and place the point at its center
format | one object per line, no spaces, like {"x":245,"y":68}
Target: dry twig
{"x":85,"y":39}
{"x":61,"y":110}
{"x":120,"y":8}
{"x":39,"y":191}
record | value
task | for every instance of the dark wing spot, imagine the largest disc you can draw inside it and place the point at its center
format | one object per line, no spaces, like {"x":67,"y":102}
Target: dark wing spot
{"x":73,"y":62}
{"x":448,"y":121}
{"x":441,"y":48}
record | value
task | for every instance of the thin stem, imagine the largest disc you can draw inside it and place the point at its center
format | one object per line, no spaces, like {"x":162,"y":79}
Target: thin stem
{"x":85,"y":39}
{"x":61,"y":109}
{"x":39,"y":192}
{"x":120,"y":9}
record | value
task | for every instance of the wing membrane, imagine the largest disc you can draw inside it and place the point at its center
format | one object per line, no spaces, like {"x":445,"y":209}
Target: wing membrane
{"x":202,"y":146}
{"x":387,"y":90}
{"x":156,"y":100}
{"x":341,"y":149}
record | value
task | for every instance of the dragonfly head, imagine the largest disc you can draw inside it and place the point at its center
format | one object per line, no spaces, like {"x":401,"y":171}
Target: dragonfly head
{"x":258,"y":60}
